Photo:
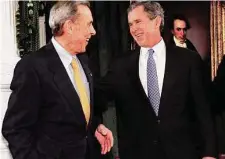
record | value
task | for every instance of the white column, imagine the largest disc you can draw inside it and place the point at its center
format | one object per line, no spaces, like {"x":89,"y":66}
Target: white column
{"x":42,"y":33}
{"x":8,"y":59}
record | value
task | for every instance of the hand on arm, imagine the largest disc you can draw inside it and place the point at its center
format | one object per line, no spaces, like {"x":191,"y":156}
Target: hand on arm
{"x":105,"y":138}
{"x":208,"y":158}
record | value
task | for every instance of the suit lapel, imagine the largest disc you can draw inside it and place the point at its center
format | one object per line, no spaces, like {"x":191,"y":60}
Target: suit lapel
{"x":62,"y":81}
{"x":168,"y":81}
{"x":138,"y":81}
{"x":171,"y":42}
{"x":169,"y":76}
{"x":134,"y":75}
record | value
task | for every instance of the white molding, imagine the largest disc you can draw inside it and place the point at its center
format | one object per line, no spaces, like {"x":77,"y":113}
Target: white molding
{"x":5,"y":87}
{"x":8,"y":45}
{"x":42,"y":31}
{"x":9,"y":58}
{"x":4,"y":145}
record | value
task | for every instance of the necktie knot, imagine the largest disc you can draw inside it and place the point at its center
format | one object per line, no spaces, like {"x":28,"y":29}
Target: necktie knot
{"x":151,"y":51}
{"x":74,"y":64}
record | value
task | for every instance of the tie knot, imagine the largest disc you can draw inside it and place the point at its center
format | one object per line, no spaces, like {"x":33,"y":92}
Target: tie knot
{"x":151,"y":51}
{"x":74,"y":63}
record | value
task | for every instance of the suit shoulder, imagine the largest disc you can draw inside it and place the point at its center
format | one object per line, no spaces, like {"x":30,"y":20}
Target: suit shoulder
{"x":184,"y":52}
{"x":44,"y":51}
{"x":34,"y":58}
{"x":221,"y":69}
{"x":185,"y":56}
{"x":124,"y":60}
{"x":126,"y":56}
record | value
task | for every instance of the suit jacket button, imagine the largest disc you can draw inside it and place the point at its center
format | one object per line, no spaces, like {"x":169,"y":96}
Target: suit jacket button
{"x":158,"y":121}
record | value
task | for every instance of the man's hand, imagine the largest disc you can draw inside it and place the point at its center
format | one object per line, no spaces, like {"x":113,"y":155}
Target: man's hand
{"x":208,"y":158}
{"x":105,"y":138}
{"x":222,"y":156}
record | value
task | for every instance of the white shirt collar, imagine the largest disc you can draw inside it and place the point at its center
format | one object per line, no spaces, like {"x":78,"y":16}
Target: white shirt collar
{"x":64,"y":55}
{"x":177,"y":42}
{"x":157,"y":48}
{"x":160,"y":60}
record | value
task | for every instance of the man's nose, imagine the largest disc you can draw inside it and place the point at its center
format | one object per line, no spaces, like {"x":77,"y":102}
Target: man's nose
{"x":182,"y":32}
{"x":93,"y":32}
{"x":133,"y":29}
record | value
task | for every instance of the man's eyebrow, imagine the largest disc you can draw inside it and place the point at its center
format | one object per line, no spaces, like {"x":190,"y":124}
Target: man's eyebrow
{"x":181,"y":28}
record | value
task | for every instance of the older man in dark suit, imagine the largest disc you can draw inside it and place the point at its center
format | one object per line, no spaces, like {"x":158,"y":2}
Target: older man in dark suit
{"x":50,"y":111}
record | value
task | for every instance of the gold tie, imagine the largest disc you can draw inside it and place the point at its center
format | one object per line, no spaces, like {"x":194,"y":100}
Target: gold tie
{"x":81,"y":90}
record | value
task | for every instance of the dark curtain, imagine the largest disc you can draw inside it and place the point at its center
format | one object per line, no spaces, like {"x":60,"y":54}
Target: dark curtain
{"x":111,"y":40}
{"x":48,"y":5}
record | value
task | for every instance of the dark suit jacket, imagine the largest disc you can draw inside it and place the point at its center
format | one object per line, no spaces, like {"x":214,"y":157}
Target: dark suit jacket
{"x":142,"y":134}
{"x":188,"y":43}
{"x":44,"y":118}
{"x":219,"y":105}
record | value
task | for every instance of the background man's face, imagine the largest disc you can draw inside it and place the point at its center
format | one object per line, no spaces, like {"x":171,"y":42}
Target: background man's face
{"x":179,"y":29}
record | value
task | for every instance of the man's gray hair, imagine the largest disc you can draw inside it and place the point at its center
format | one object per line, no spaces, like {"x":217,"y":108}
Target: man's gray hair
{"x":62,"y":11}
{"x":153,"y":9}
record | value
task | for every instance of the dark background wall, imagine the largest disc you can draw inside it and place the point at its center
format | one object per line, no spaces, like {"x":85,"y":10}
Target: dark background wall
{"x":198,"y":13}
{"x":113,"y":38}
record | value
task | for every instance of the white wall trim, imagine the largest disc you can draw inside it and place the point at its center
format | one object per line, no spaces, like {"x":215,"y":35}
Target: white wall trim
{"x":42,"y":31}
{"x":8,"y":60}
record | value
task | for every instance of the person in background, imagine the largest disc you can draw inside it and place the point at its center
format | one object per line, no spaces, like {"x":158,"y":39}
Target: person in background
{"x":157,"y":91}
{"x":50,"y":111}
{"x":219,"y":107}
{"x":179,"y":26}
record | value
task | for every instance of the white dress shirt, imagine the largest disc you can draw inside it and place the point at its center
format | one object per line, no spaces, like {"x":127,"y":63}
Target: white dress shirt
{"x":160,"y":60}
{"x":178,"y":43}
{"x":66,"y":59}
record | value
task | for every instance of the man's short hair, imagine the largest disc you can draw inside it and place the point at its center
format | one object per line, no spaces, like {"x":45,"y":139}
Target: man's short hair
{"x":153,"y":9}
{"x":62,"y":11}
{"x":178,"y":17}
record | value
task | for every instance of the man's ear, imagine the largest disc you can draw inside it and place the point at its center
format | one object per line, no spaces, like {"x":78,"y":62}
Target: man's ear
{"x":67,"y":26}
{"x":158,"y":21}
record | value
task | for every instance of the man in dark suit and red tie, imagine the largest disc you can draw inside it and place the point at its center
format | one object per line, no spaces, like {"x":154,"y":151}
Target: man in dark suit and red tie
{"x":157,"y":90}
{"x":50,"y":111}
